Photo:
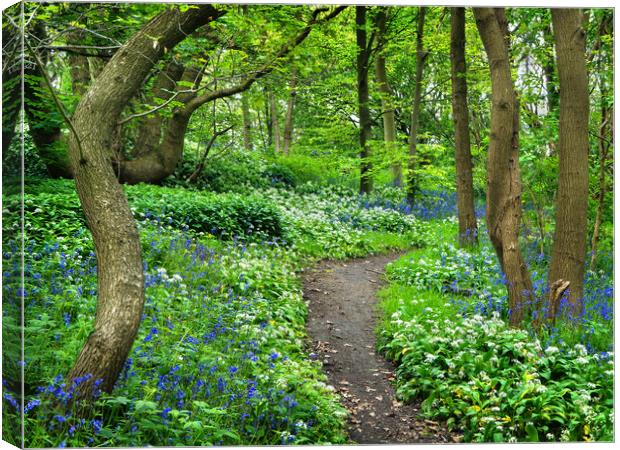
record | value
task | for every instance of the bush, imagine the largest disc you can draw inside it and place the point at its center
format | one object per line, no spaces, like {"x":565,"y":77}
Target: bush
{"x":497,"y":384}
{"x":224,"y":215}
{"x":234,"y":172}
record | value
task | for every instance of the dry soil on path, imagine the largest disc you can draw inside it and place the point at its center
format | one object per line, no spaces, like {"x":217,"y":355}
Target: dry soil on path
{"x":342,"y":318}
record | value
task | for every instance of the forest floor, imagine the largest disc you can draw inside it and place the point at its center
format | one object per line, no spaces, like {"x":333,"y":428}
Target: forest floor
{"x":341,"y":322}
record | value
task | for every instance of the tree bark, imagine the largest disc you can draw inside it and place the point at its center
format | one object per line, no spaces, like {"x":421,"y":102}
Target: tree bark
{"x":247,"y":122}
{"x":363,"y":57}
{"x":468,"y":228}
{"x":290,"y":110}
{"x":504,"y":179}
{"x":120,"y":275}
{"x":150,"y":128}
{"x":569,"y":241}
{"x":415,"y":109}
{"x":387,"y":106}
{"x":275,"y":123}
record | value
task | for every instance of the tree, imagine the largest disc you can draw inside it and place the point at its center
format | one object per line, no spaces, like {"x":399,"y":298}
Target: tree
{"x":468,"y":228}
{"x":415,"y":109}
{"x":605,"y":129}
{"x":120,"y":277}
{"x":569,"y":241}
{"x":363,"y":59}
{"x":389,"y":123}
{"x":290,"y":110}
{"x":154,"y":166}
{"x":247,"y":122}
{"x":503,"y":209}
{"x":275,"y":122}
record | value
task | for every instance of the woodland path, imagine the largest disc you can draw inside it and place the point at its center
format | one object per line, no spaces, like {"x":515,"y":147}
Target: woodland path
{"x":342,"y":318}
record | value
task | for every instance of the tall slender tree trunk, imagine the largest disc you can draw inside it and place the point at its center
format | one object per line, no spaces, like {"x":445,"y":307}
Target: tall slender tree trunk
{"x":275,"y":122}
{"x":605,"y":140}
{"x":569,"y":241}
{"x":504,"y":179}
{"x":363,"y":57}
{"x":120,"y":276}
{"x":389,"y":120}
{"x":247,"y":122}
{"x":603,"y":152}
{"x":551,"y":86}
{"x":415,"y":109}
{"x":468,"y":228}
{"x":290,"y":112}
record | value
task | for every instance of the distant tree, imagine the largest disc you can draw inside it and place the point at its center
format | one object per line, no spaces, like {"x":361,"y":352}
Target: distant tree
{"x":387,"y":102}
{"x":247,"y":122}
{"x":275,"y":122}
{"x":290,"y":111}
{"x":364,"y":46}
{"x":421,"y":55}
{"x":468,"y":228}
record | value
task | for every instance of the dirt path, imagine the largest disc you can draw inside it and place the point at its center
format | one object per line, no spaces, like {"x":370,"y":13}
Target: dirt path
{"x":341,"y":324}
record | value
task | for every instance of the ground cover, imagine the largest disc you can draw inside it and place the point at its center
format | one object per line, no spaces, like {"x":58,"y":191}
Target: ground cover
{"x":220,"y":357}
{"x":445,"y":326}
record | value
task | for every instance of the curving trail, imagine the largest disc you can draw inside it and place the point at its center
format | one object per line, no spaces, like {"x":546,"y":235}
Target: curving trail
{"x":341,"y":322}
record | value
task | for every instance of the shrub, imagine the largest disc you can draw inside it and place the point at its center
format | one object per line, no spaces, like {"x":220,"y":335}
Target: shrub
{"x":226,"y":215}
{"x":49,"y":215}
{"x":497,"y":384}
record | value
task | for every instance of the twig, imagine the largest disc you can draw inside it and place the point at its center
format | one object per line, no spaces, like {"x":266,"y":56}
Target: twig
{"x":157,"y":108}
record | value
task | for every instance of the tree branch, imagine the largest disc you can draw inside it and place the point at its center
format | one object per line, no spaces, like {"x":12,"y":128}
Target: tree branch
{"x":267,"y":68}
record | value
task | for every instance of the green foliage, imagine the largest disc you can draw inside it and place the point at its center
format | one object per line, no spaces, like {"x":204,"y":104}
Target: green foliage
{"x":447,"y":268}
{"x":48,"y":215}
{"x":13,"y":158}
{"x":225,"y":215}
{"x":496,"y":383}
{"x":236,"y":172}
{"x":445,"y":326}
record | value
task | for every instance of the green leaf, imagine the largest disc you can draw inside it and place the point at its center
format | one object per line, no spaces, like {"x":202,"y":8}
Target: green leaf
{"x":532,"y":433}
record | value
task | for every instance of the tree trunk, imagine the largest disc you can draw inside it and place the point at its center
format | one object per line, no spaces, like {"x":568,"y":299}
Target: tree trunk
{"x":120,"y":275}
{"x":504,"y":179}
{"x":363,"y":56}
{"x":150,"y":128}
{"x":468,"y":228}
{"x":247,"y":122}
{"x":290,"y":110}
{"x":550,"y":76}
{"x":275,"y":122}
{"x":389,"y":122}
{"x":415,"y":109}
{"x":605,"y":139}
{"x":569,"y":241}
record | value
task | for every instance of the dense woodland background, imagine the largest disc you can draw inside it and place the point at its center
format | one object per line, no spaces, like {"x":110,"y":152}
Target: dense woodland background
{"x":182,"y":163}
